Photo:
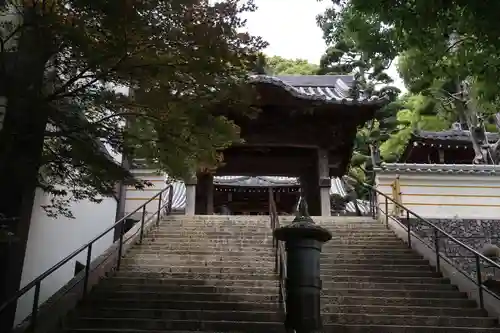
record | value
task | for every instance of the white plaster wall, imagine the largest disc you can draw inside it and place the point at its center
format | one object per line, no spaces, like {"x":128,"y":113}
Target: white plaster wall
{"x":51,"y":240}
{"x":441,"y":195}
{"x":135,"y":198}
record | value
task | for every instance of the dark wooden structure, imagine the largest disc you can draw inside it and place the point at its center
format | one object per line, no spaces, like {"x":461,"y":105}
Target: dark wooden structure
{"x":445,"y":147}
{"x":305,"y":128}
{"x":250,"y":195}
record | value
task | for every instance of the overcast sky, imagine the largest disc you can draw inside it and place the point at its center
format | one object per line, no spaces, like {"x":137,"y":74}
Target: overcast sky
{"x":289,"y":26}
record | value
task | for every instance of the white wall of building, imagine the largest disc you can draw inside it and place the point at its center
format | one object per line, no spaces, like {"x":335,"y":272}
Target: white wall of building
{"x":134,"y":198}
{"x":444,"y":191}
{"x":51,"y":239}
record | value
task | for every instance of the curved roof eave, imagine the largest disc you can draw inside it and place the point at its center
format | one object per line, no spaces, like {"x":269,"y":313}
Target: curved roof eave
{"x":321,"y":97}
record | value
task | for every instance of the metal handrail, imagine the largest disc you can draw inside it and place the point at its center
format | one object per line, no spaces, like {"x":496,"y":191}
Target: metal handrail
{"x":36,"y":283}
{"x":279,"y":252}
{"x":437,"y":231}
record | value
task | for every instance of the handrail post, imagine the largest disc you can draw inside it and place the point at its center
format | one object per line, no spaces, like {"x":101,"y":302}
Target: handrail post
{"x":87,"y":269}
{"x":479,"y":281}
{"x":170,"y":199}
{"x":143,"y":218}
{"x":159,"y":210}
{"x":374,"y":202}
{"x":120,"y":247}
{"x":436,"y":247}
{"x":34,"y":311}
{"x":408,"y":225}
{"x":386,"y":212}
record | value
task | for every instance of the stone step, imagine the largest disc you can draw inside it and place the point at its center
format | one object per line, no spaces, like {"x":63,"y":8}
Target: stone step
{"x":351,"y":250}
{"x":349,"y":304}
{"x":400,"y":301}
{"x":200,"y":276}
{"x":198,"y":269}
{"x":361,"y":328}
{"x":397,"y":248}
{"x":385,"y":279}
{"x":166,"y":262}
{"x":187,"y":325}
{"x":404,"y":310}
{"x":389,"y":235}
{"x":199,"y":247}
{"x":378,"y":272}
{"x":138,"y":250}
{"x":104,"y":294}
{"x":342,"y":277}
{"x":215,"y":261}
{"x":326,"y":262}
{"x":408,"y":320}
{"x":334,"y":318}
{"x":268,"y":242}
{"x":173,"y":257}
{"x":247,"y":255}
{"x":116,"y":282}
{"x":203,"y":289}
{"x":328,"y":291}
{"x":119,"y":324}
{"x":113,"y":282}
{"x":142,"y":312}
{"x":375,"y":267}
{"x":351,"y":270}
{"x":200,"y":305}
{"x":357,"y":298}
{"x":337,"y":328}
{"x":154,"y":261}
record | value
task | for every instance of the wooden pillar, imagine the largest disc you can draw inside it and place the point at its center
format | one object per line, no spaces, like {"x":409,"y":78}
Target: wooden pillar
{"x":324,"y":182}
{"x":191,"y":195}
{"x":210,"y":194}
{"x":205,"y":194}
{"x":310,"y":185}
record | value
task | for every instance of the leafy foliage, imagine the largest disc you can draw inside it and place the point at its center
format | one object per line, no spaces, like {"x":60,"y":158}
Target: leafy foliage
{"x":280,"y":66}
{"x":183,"y":58}
{"x":449,"y":51}
{"x":359,"y":45}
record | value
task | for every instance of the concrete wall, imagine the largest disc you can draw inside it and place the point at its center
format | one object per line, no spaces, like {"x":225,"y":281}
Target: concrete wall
{"x":51,"y":239}
{"x":443,"y":195}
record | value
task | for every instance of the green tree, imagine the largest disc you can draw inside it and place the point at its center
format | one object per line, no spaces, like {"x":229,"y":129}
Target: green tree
{"x":356,"y":47}
{"x":419,"y":113}
{"x":183,"y":57}
{"x":451,"y":51}
{"x":60,"y":66}
{"x":280,"y":66}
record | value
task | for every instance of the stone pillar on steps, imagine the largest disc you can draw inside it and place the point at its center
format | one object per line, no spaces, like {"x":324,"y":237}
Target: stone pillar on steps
{"x":325,"y":182}
{"x":303,"y":241}
{"x":191,"y":195}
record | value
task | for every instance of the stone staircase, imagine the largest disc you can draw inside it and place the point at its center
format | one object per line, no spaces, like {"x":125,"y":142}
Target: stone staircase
{"x":216,"y":274}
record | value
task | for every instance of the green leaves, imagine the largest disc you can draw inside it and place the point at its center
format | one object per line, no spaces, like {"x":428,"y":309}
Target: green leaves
{"x":185,"y":59}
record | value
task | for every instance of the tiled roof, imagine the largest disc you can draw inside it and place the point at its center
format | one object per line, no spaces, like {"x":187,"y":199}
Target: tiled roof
{"x":483,"y":169}
{"x":261,"y":181}
{"x":328,"y":88}
{"x":453,"y":135}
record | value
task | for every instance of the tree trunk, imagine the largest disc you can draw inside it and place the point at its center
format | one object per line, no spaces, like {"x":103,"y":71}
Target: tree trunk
{"x":21,"y":144}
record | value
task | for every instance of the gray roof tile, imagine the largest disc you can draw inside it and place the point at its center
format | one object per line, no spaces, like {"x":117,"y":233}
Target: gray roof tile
{"x":332,"y":89}
{"x":484,"y":169}
{"x":453,"y":135}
